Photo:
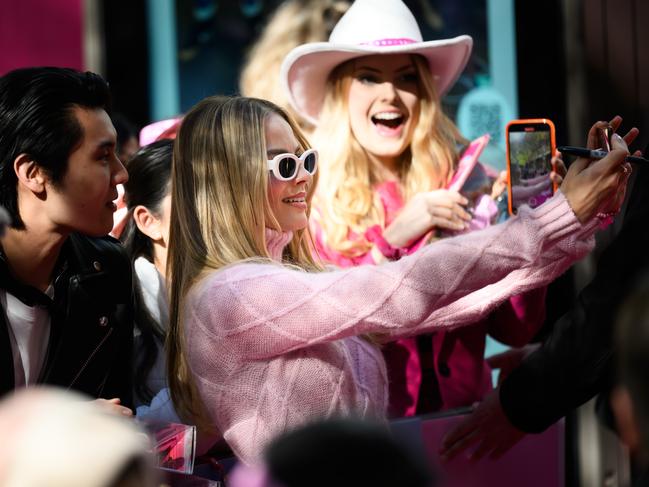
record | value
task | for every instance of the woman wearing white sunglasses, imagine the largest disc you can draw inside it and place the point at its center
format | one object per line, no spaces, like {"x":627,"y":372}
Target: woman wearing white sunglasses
{"x":262,"y":338}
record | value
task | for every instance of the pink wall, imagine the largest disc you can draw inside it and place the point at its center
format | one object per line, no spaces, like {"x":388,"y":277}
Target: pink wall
{"x":40,"y":33}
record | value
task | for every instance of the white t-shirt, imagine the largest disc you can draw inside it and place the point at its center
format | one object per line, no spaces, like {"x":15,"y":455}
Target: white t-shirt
{"x":29,"y":333}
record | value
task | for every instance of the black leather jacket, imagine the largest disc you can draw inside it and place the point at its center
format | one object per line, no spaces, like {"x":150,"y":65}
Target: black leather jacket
{"x":91,"y":334}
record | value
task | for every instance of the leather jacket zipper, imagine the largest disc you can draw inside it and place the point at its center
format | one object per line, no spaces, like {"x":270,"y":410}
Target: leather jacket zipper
{"x":94,"y":352}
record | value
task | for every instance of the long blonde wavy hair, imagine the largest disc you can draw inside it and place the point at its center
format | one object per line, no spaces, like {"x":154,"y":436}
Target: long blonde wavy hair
{"x":295,"y":22}
{"x":219,"y":215}
{"x":345,"y":197}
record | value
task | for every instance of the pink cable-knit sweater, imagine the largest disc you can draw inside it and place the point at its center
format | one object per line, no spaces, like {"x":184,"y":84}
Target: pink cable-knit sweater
{"x":272,"y":347}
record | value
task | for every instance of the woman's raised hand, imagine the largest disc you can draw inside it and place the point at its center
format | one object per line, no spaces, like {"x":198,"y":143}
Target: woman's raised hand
{"x":441,"y":208}
{"x":599,"y":186}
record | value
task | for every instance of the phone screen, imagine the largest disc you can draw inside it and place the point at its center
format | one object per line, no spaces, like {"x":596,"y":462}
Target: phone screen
{"x":530,"y":148}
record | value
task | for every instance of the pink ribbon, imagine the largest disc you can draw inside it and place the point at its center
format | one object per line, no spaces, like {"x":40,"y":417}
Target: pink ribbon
{"x":389,"y":42}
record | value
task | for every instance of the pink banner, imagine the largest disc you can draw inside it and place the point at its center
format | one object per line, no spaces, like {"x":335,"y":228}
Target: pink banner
{"x":41,"y":33}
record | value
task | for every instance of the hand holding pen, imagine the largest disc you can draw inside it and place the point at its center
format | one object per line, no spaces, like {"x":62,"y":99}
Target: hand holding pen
{"x":609,"y":175}
{"x":597,"y":154}
{"x":599,"y":142}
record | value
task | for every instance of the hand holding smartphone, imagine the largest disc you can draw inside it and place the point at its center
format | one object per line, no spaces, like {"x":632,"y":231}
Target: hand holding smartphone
{"x":530,"y":148}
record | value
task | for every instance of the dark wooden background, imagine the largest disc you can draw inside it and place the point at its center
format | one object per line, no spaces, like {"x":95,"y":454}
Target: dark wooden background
{"x":584,"y":66}
{"x":616,"y":55}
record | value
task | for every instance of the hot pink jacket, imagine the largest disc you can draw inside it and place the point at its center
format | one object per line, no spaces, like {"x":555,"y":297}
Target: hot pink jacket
{"x":271,"y":347}
{"x":462,"y":374}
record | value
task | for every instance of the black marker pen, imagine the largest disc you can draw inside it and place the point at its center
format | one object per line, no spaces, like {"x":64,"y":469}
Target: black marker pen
{"x":596,"y":154}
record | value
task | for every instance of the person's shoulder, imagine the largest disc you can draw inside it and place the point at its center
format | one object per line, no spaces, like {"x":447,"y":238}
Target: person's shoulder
{"x":105,"y":255}
{"x":235,"y":277}
{"x":105,"y":248}
{"x":100,"y":267}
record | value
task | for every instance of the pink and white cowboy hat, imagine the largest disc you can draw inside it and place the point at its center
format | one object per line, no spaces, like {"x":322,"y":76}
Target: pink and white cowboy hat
{"x":369,"y":27}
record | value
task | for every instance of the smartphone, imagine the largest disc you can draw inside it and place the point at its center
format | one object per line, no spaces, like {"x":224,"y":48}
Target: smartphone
{"x":468,"y":162}
{"x":530,"y":147}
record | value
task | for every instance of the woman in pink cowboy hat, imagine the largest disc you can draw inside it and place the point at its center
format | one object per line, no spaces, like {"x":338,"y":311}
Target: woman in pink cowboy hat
{"x":389,"y":156}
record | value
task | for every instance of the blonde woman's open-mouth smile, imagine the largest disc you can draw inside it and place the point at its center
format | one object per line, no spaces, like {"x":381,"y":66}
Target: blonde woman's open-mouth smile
{"x":389,"y":123}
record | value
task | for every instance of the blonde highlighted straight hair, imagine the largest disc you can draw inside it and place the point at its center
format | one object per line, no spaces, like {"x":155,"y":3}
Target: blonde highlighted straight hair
{"x":219,"y":215}
{"x":295,"y":22}
{"x":345,"y":196}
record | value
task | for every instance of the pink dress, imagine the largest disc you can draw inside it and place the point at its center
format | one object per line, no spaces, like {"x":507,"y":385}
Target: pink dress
{"x":446,"y":369}
{"x":271,"y":347}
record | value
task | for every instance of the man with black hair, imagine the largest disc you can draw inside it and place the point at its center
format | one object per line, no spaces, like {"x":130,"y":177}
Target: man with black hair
{"x":65,"y":288}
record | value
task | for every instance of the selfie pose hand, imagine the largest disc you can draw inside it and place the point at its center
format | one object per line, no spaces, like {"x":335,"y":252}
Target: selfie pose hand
{"x":598,"y":186}
{"x":441,"y":208}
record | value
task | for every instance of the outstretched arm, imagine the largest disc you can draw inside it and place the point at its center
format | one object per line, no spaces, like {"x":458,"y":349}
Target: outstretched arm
{"x":268,"y":310}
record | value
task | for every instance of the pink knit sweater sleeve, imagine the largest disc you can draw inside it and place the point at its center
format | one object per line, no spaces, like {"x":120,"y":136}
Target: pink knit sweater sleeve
{"x":266,"y":310}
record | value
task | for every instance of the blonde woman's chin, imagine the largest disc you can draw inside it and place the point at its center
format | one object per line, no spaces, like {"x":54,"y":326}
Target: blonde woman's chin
{"x":294,"y":222}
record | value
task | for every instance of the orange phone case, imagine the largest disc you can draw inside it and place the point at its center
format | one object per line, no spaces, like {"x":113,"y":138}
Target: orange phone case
{"x":553,"y":148}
